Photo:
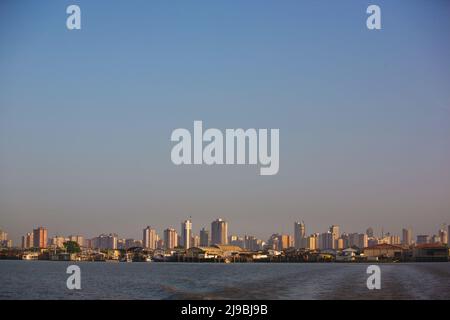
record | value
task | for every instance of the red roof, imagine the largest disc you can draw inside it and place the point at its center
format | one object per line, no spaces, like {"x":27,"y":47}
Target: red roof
{"x":430,"y":245}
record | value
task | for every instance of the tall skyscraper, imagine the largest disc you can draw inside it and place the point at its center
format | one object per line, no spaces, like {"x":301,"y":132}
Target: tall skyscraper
{"x":219,"y":232}
{"x":443,"y":235}
{"x":334,"y":229}
{"x":312,"y":242}
{"x":170,"y":238}
{"x":204,"y":238}
{"x":40,"y":237}
{"x":149,"y":238}
{"x":407,"y":237}
{"x":369,"y":232}
{"x":299,"y":235}
{"x":352,"y":239}
{"x":285,"y":241}
{"x":186,"y":233}
{"x":326,"y":241}
{"x":362,"y":240}
{"x":27,"y":241}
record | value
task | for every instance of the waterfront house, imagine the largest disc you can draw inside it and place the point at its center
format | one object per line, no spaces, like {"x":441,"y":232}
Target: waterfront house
{"x":214,"y":252}
{"x":384,"y":251}
{"x":346,"y":255}
{"x":229,"y":250}
{"x":211,"y":252}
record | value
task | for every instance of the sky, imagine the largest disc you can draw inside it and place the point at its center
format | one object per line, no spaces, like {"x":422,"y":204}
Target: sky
{"x":86,"y":115}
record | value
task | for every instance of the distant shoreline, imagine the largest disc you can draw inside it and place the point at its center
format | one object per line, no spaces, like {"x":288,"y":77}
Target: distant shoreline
{"x":230,"y":263}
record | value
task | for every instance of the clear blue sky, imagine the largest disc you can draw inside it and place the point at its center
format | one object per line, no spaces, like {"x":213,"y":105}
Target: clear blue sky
{"x":86,"y":116}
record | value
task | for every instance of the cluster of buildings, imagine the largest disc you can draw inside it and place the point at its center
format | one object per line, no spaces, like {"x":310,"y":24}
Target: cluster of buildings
{"x":4,"y":242}
{"x":217,"y":244}
{"x":38,"y":238}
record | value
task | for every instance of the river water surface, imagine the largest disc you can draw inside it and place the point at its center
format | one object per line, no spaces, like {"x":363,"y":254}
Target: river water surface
{"x":100,"y":280}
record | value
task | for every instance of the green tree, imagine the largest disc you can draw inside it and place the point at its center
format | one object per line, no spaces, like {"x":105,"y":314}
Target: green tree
{"x":72,"y":247}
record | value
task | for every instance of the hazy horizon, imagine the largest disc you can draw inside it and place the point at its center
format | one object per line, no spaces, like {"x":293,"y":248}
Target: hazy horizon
{"x":86,"y":115}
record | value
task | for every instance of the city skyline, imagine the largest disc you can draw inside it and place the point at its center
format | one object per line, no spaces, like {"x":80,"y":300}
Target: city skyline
{"x":86,"y":115}
{"x":151,"y":237}
{"x":136,"y":232}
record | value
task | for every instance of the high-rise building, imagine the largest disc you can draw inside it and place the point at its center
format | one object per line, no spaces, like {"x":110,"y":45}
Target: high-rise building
{"x":311,"y":242}
{"x":443,"y":236}
{"x":235,"y":240}
{"x":346,"y":240}
{"x":195,"y":242}
{"x":204,"y":238}
{"x":359,"y":240}
{"x":78,"y":239}
{"x":285,"y":241}
{"x":186,"y":233}
{"x":149,"y":238}
{"x":299,"y":235}
{"x":435,"y":239}
{"x":40,"y":237}
{"x":395,"y":240}
{"x":131,"y":243}
{"x":111,"y":241}
{"x":219,"y":232}
{"x":170,"y":238}
{"x":369,"y":232}
{"x":274,"y":242}
{"x":335,"y":233}
{"x":291,"y":241}
{"x":4,"y":242}
{"x":407,"y":237}
{"x":423,"y":238}
{"x":121,"y":244}
{"x":57,"y":241}
{"x":3,"y":235}
{"x":87,"y":243}
{"x":27,"y":241}
{"x":362,"y":240}
{"x":340,"y":244}
{"x":105,"y":242}
{"x":251,"y":243}
{"x":352,"y":240}
{"x":326,"y":241}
